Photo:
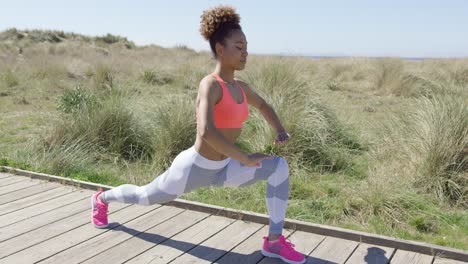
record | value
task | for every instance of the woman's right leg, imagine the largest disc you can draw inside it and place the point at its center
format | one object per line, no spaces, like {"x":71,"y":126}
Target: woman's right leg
{"x":143,"y":195}
{"x":188,"y":171}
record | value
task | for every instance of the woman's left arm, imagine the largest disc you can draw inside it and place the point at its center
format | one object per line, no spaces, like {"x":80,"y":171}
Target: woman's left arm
{"x":267,"y":111}
{"x":270,"y":116}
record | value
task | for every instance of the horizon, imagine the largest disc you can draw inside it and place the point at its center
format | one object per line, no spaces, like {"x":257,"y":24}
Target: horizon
{"x":419,"y":29}
{"x":261,"y":54}
{"x":318,"y":56}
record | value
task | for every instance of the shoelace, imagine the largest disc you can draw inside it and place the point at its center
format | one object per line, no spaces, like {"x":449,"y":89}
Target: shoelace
{"x":289,"y":245}
{"x":101,"y":207}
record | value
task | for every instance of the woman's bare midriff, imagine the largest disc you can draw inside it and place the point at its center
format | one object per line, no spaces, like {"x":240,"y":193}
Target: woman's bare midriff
{"x":207,"y":151}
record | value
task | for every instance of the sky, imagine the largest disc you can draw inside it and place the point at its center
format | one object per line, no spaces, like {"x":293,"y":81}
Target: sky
{"x":376,"y":28}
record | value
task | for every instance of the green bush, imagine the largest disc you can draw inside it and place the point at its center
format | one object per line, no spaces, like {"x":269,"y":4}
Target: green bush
{"x":9,"y":78}
{"x":154,"y":77}
{"x":77,"y":99}
{"x":111,"y":129}
{"x":109,"y":38}
{"x":112,"y":39}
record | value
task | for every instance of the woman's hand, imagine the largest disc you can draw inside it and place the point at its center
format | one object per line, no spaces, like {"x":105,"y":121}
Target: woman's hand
{"x":282,"y":138}
{"x":255,"y":159}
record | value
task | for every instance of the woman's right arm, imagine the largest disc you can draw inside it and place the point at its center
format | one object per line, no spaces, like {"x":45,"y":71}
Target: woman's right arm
{"x":209,"y":93}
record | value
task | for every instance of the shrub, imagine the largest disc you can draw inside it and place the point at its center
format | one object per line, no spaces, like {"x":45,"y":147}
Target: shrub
{"x":432,"y":138}
{"x":75,"y":100}
{"x":9,"y":78}
{"x":103,"y":77}
{"x":154,"y":77}
{"x":111,"y":129}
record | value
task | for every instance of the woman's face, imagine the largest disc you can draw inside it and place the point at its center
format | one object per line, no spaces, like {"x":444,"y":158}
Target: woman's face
{"x":234,"y":52}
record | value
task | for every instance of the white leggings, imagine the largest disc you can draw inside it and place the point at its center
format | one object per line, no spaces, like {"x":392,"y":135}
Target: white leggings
{"x":190,"y":170}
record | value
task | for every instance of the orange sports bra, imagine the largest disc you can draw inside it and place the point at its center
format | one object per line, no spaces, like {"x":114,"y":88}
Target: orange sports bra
{"x":227,"y":112}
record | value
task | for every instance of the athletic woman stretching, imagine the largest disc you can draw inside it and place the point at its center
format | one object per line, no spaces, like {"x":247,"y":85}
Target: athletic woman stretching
{"x":214,"y":159}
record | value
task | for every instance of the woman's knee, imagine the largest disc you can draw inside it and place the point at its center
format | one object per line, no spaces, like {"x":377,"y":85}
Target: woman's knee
{"x":156,"y":194}
{"x":129,"y":193}
{"x":281,"y":172}
{"x":283,"y":164}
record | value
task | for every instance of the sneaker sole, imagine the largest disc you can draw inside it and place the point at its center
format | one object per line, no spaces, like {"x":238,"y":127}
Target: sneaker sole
{"x":273,"y":255}
{"x":92,"y":210}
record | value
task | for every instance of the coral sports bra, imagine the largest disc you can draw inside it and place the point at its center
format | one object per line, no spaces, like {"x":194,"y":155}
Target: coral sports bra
{"x":227,"y":112}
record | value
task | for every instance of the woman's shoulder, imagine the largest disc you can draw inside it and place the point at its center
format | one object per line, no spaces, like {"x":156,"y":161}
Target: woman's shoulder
{"x":210,"y":82}
{"x":209,"y":78}
{"x":242,"y":83}
{"x":210,"y":86}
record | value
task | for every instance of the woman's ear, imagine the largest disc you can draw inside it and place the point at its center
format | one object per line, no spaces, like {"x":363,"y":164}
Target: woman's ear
{"x":219,"y":49}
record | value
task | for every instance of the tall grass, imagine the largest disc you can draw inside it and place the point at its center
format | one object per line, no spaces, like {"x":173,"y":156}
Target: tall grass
{"x":156,"y":77}
{"x":9,"y":78}
{"x":388,"y":74}
{"x":103,"y":77}
{"x":432,"y":136}
{"x":318,"y":139}
{"x":173,"y":127}
{"x":109,"y":126}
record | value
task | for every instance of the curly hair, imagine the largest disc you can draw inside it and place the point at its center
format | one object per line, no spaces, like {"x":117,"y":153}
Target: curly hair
{"x":217,"y":24}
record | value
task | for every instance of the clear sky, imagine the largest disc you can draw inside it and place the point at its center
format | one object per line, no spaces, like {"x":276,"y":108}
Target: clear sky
{"x":404,"y":28}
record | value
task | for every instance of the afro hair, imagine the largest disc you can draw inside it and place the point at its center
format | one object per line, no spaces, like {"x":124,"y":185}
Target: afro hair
{"x":212,"y":18}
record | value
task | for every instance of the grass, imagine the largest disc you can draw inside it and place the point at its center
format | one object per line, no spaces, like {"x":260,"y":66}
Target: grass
{"x":377,"y":145}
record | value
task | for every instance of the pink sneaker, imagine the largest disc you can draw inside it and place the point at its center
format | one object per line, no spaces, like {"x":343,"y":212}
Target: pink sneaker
{"x":99,"y":210}
{"x":283,"y":250}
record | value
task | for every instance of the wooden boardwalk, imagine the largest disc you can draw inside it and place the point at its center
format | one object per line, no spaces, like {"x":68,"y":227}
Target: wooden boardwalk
{"x":48,"y":222}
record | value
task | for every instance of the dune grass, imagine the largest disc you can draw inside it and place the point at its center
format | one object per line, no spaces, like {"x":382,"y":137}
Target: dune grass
{"x":378,"y":145}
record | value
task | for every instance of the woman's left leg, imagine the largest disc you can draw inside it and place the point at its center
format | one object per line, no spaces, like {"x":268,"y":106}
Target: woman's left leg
{"x":276,"y":172}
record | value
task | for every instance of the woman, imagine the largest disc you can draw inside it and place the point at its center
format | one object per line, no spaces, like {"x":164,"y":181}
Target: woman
{"x":214,"y":159}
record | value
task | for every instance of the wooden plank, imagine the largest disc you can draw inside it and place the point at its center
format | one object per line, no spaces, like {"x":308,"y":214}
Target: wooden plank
{"x":407,"y":257}
{"x":219,"y":244}
{"x":120,"y":234}
{"x":36,"y":236}
{"x":65,"y":234}
{"x":325,"y":230}
{"x":249,"y":250}
{"x":439,"y":260}
{"x":19,"y":215}
{"x":20,"y":185}
{"x":184,"y":241}
{"x":8,"y":177}
{"x":12,"y":180}
{"x":304,"y":242}
{"x":44,"y":233}
{"x":4,"y":175}
{"x":53,"y":178}
{"x":35,"y":199}
{"x":332,"y":250}
{"x":49,"y":217}
{"x":150,"y":238}
{"x":41,"y":187}
{"x":370,"y":254}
